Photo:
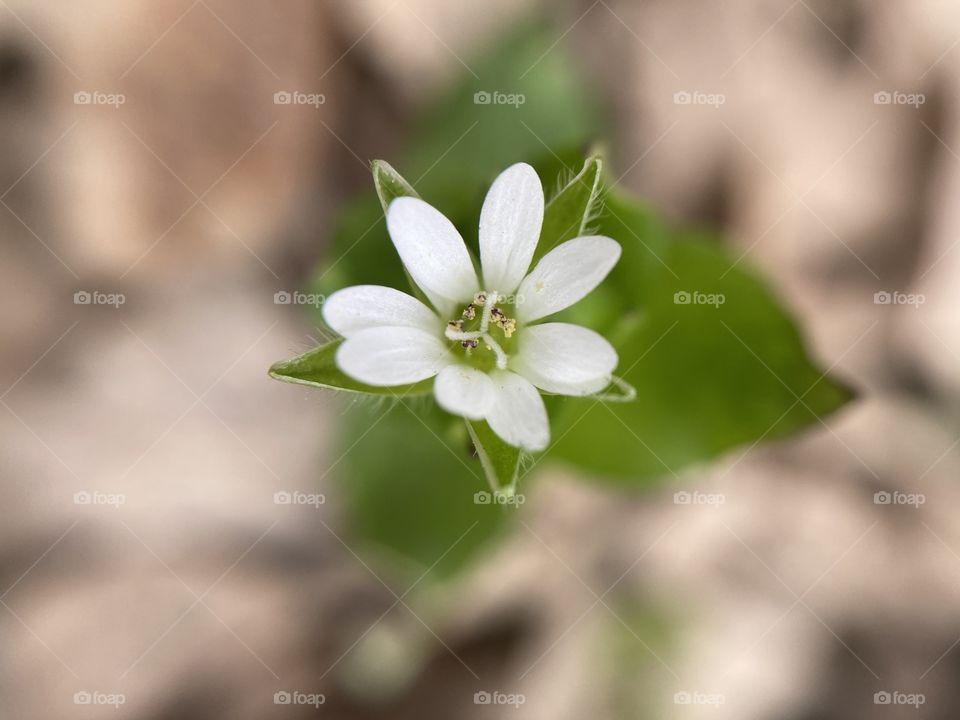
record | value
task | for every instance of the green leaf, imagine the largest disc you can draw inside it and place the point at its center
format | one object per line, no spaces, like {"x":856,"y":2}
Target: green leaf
{"x":317,"y":368}
{"x":500,"y":461}
{"x":413,"y":488}
{"x":709,"y":375}
{"x":645,"y":239}
{"x":389,"y":184}
{"x":568,"y":214}
{"x":617,"y":307}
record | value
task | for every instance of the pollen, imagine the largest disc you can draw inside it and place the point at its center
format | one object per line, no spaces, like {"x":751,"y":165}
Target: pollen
{"x":508,"y":325}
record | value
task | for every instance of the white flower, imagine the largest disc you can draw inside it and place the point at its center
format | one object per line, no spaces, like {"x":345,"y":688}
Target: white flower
{"x":483,"y":342}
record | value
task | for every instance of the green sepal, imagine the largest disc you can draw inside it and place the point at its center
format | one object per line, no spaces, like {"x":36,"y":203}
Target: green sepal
{"x":569,"y":213}
{"x":389,"y":183}
{"x":500,"y":461}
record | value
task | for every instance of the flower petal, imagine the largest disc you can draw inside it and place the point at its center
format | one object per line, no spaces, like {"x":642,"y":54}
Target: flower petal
{"x":362,"y":307}
{"x":432,"y":251}
{"x":565,"y":275}
{"x":464,"y":391}
{"x":518,"y":414}
{"x":564,"y":359}
{"x":385,"y":356}
{"x":510,"y":223}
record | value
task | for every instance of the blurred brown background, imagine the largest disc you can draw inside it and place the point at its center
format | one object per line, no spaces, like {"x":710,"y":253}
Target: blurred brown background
{"x":179,"y":183}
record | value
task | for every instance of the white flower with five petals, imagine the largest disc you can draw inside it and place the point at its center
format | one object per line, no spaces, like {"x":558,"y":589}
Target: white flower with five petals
{"x":484,"y":344}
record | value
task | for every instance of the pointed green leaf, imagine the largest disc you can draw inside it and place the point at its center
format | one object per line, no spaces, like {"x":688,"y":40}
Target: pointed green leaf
{"x":569,"y":213}
{"x":500,"y":461}
{"x":390,"y":184}
{"x":318,"y":368}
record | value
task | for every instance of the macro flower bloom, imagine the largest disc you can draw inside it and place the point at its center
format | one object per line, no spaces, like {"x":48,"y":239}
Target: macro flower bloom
{"x":482,"y":340}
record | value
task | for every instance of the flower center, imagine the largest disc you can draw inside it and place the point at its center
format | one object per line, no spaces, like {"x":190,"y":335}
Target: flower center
{"x":483,"y":332}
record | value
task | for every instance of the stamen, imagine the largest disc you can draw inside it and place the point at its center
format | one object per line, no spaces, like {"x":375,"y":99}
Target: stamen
{"x":470,"y":340}
{"x":506,"y":324}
